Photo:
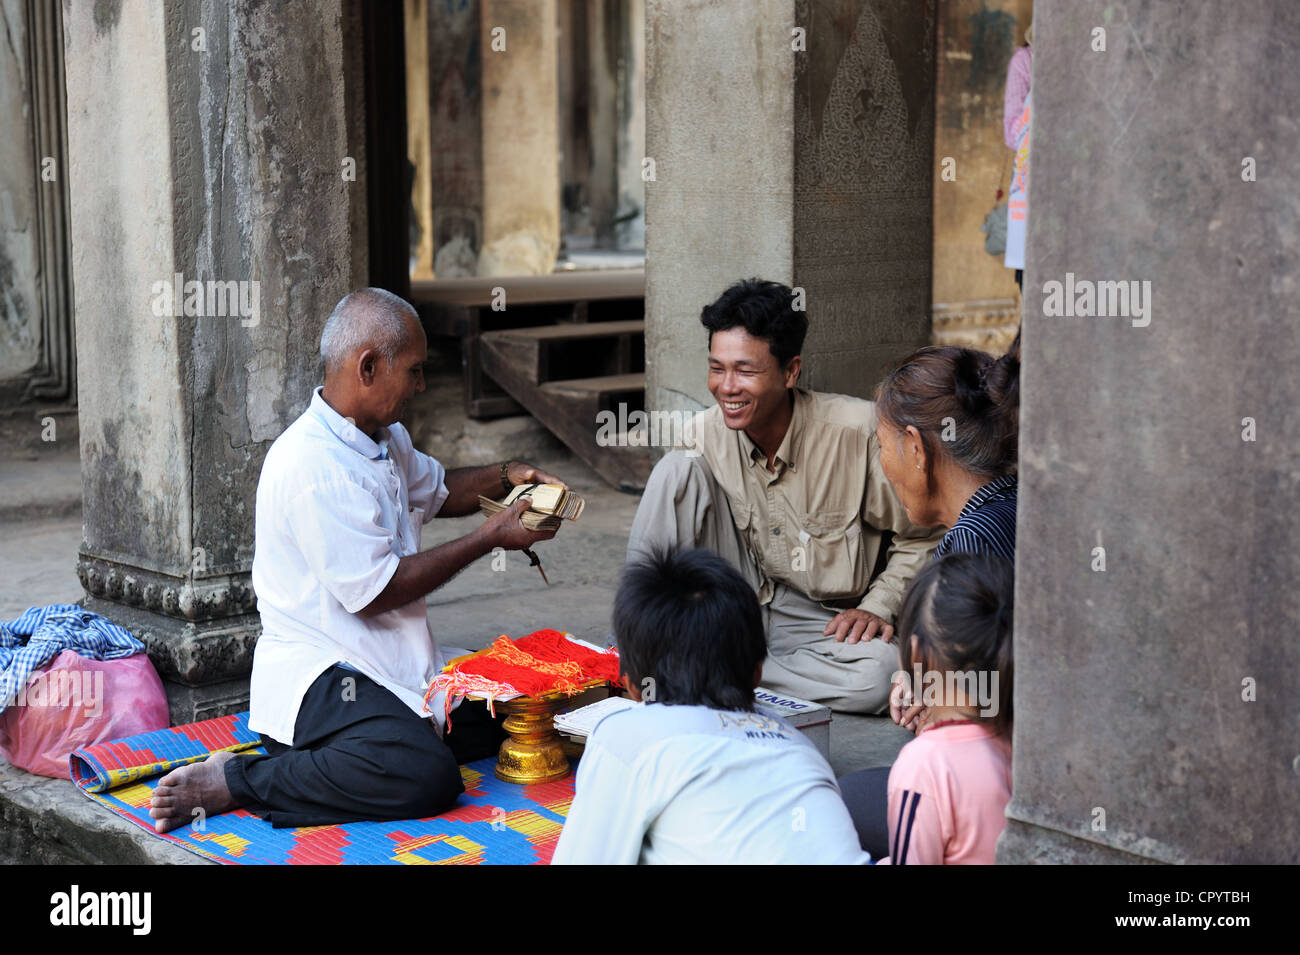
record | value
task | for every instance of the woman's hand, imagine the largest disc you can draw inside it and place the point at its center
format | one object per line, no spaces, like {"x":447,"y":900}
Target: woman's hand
{"x":904,"y":710}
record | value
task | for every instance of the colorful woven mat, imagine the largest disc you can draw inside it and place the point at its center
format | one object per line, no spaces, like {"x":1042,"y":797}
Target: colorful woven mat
{"x":495,"y":823}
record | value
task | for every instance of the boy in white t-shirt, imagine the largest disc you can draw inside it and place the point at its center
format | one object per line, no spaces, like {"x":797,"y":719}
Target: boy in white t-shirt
{"x":695,"y":775}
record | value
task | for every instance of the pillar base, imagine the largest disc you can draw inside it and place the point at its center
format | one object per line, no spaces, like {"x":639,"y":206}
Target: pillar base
{"x":1027,"y":843}
{"x":189,"y":704}
{"x":204,"y":665}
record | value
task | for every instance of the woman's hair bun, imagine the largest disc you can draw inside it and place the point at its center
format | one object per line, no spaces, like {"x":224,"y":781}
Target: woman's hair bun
{"x":969,"y":381}
{"x":1002,"y":383}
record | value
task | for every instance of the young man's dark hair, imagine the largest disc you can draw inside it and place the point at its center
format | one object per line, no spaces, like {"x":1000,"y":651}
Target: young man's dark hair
{"x":765,"y":310}
{"x":690,"y":622}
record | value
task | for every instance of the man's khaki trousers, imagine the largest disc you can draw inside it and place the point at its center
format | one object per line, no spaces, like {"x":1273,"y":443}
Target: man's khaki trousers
{"x":683,"y":507}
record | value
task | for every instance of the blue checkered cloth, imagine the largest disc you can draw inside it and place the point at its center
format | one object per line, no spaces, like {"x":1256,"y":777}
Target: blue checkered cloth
{"x":42,"y":633}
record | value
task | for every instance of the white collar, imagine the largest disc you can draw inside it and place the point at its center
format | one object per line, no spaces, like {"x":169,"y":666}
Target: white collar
{"x":347,"y":431}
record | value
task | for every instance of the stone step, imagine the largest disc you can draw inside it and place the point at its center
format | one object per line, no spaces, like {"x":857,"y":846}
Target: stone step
{"x":569,"y":407}
{"x":471,"y":307}
{"x":573,"y":286}
{"x":598,"y":389}
{"x":569,"y":350}
{"x":36,"y":486}
{"x":46,"y":821}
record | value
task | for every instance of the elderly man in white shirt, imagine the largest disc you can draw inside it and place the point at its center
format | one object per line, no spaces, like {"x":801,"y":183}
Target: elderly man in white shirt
{"x":346,"y":652}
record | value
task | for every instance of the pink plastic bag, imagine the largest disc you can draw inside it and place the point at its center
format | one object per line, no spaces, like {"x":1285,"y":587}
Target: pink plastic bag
{"x":76,"y":701}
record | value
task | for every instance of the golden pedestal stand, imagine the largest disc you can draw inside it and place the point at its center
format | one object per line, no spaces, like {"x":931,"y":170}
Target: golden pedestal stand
{"x":534,"y":752}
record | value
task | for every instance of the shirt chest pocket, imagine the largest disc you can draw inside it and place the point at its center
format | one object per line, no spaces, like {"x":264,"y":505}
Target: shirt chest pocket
{"x":411,"y":528}
{"x":830,"y":558}
{"x":742,"y":514}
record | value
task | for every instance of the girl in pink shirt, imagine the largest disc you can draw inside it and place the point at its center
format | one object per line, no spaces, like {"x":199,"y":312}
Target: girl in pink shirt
{"x":949,"y":788}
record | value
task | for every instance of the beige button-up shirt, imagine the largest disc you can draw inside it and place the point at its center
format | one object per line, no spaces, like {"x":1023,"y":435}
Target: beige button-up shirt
{"x":818,"y":523}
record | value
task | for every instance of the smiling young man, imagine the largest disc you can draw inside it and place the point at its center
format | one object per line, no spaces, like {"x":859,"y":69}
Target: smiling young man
{"x":346,"y":651}
{"x":786,"y":484}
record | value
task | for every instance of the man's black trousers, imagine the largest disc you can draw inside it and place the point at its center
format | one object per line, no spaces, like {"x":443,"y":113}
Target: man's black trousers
{"x":360,"y":754}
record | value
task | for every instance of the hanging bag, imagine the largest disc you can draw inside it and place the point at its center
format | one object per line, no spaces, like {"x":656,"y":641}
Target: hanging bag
{"x":995,"y":223}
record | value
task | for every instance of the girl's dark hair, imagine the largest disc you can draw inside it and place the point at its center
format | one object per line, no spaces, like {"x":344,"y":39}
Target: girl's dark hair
{"x":691,"y":623}
{"x":980,"y":394}
{"x":960,"y":609}
{"x":765,"y":310}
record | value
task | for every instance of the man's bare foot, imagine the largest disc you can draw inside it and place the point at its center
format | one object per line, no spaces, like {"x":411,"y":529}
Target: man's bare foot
{"x":196,"y":786}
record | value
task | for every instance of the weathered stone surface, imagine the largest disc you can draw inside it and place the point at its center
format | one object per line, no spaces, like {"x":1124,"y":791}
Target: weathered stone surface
{"x":47,"y":821}
{"x":37,"y":351}
{"x":37,"y":360}
{"x":521,"y":161}
{"x":19,"y":182}
{"x":1025,"y":844}
{"x":213,"y":142}
{"x":188,"y":652}
{"x":494,"y":137}
{"x":455,"y":63}
{"x":1163,"y":691}
{"x":415,"y":15}
{"x":613,"y":101}
{"x":810,"y":168}
{"x":629,"y":224}
{"x":193,"y":704}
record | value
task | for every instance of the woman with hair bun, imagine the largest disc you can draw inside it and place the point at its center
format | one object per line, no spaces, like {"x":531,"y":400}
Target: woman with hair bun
{"x":947,"y":421}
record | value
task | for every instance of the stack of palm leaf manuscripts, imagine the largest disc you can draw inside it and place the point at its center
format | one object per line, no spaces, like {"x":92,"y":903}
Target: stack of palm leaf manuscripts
{"x":551,"y":504}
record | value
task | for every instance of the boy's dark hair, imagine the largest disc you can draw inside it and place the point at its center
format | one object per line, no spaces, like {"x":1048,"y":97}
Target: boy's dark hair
{"x":765,"y":310}
{"x":960,"y":609}
{"x":691,"y":623}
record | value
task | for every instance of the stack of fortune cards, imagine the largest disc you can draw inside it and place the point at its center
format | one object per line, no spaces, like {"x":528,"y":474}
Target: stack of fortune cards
{"x":551,"y":505}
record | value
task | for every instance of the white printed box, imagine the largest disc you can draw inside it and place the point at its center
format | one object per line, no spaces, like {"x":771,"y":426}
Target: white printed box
{"x":811,"y":719}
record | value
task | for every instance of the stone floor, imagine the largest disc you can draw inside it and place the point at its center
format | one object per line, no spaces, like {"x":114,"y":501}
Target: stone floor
{"x":46,"y":820}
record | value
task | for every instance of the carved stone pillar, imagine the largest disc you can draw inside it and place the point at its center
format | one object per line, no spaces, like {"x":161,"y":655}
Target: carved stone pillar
{"x":791,"y":141}
{"x":494,"y":131}
{"x":37,"y":357}
{"x":218,"y":145}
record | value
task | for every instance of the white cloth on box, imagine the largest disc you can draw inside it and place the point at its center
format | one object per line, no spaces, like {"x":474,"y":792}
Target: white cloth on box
{"x":336,"y":511}
{"x":662,"y":784}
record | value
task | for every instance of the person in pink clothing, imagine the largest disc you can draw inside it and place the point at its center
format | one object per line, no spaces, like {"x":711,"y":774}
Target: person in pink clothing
{"x":1016,"y":123}
{"x":949,"y":788}
{"x":1019,"y":73}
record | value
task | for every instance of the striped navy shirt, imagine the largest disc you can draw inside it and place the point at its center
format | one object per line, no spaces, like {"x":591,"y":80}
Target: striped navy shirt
{"x":987,"y":524}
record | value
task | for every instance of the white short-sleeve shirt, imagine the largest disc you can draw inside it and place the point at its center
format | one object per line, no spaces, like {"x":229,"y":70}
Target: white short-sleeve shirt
{"x":691,"y":785}
{"x":335,"y":513}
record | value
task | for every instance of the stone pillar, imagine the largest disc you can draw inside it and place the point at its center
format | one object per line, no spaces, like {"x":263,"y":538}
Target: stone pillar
{"x":521,"y":145}
{"x":418,"y":144}
{"x":629,"y":218}
{"x":37,"y":357}
{"x":809,"y":167}
{"x":1157,"y":700}
{"x":616,"y":90}
{"x":603,"y":38}
{"x":455,"y":63}
{"x":214,"y":143}
{"x":495,"y":137}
